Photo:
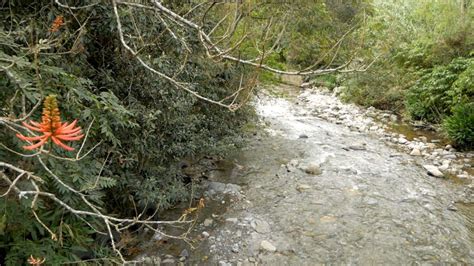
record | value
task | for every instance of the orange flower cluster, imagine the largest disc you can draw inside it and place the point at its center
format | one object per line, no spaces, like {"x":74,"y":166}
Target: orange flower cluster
{"x":36,"y":261}
{"x":52,"y":128}
{"x":57,"y":23}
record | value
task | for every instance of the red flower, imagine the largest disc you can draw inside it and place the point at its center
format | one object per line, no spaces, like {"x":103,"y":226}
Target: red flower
{"x":52,"y":127}
{"x":57,"y":23}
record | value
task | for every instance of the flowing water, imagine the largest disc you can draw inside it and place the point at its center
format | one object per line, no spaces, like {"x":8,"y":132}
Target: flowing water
{"x":370,"y":205}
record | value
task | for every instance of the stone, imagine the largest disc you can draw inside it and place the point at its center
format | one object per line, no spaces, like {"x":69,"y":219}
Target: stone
{"x":433,"y":170}
{"x":303,"y":136}
{"x":235,"y":248}
{"x":168,"y":261}
{"x":415,"y":152}
{"x":224,"y":263}
{"x":423,"y":139}
{"x":260,"y":226}
{"x":302,"y":187}
{"x":184,"y":253}
{"x":205,"y":234}
{"x":208,"y":222}
{"x":393,"y":118}
{"x":313,"y":169}
{"x":232,"y":220}
{"x":431,"y":145}
{"x":265,"y":245}
{"x":402,"y":140}
{"x":151,"y":261}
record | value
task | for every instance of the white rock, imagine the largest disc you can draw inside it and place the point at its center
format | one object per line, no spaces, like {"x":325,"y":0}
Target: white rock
{"x":402,"y":140}
{"x":232,"y":220}
{"x":415,"y":152}
{"x":433,"y":170}
{"x":208,"y":222}
{"x":260,"y":226}
{"x":265,"y":245}
{"x":313,"y":169}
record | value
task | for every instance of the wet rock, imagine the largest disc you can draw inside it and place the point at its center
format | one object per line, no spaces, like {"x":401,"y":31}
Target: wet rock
{"x":452,"y":207}
{"x":232,"y":220}
{"x":433,"y":170}
{"x":358,"y":147}
{"x":393,"y":118}
{"x":224,"y":263}
{"x":222,"y":188}
{"x":313,"y":169}
{"x":302,"y":187}
{"x":402,"y":140}
{"x":431,"y":146}
{"x":235,"y":248}
{"x":265,"y":245}
{"x":415,"y":152}
{"x":260,"y":226}
{"x":303,"y":136}
{"x":208,"y":222}
{"x":151,"y":261}
{"x":168,"y":262}
{"x":184,"y":253}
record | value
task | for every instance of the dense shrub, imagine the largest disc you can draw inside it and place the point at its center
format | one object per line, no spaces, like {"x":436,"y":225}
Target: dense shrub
{"x":460,"y":125}
{"x":440,"y":89}
{"x":144,"y":126}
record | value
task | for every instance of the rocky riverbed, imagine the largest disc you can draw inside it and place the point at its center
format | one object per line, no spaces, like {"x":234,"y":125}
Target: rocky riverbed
{"x":328,"y":182}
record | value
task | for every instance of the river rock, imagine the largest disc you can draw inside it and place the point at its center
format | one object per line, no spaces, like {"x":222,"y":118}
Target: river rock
{"x":260,"y":226}
{"x":265,"y":245}
{"x":208,"y":222}
{"x":151,"y":261}
{"x":402,"y":140}
{"x":302,"y":187}
{"x":313,"y":169}
{"x":232,"y":220}
{"x":433,"y":170}
{"x":168,"y":262}
{"x":415,"y":152}
{"x":303,"y":136}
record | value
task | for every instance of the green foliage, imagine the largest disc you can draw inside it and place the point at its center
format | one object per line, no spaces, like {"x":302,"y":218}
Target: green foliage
{"x":144,"y":126}
{"x":425,"y":66}
{"x":439,"y":89}
{"x":460,"y":125}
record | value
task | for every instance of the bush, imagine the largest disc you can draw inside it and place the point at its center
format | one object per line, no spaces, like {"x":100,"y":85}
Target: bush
{"x":144,"y":125}
{"x":460,"y":125}
{"x":440,"y":89}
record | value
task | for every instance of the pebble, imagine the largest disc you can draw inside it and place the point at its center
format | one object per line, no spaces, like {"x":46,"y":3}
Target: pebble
{"x":313,"y":169}
{"x":205,"y":234}
{"x":415,"y":152}
{"x":235,"y":248}
{"x":168,"y":261}
{"x":232,"y":220}
{"x":184,"y":253}
{"x":265,"y":245}
{"x":260,"y":226}
{"x":303,"y":136}
{"x":302,"y":187}
{"x":208,"y":222}
{"x":433,"y":170}
{"x":402,"y":140}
